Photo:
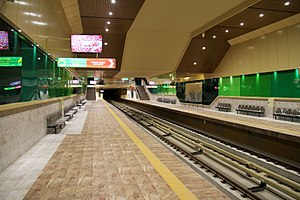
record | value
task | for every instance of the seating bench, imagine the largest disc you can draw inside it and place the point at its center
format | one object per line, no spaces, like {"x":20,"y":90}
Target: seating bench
{"x":226,"y":107}
{"x":287,"y":113}
{"x":166,"y":100}
{"x":249,"y":109}
{"x":55,"y":121}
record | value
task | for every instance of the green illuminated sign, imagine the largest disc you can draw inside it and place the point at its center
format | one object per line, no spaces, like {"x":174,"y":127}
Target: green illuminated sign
{"x":10,"y":61}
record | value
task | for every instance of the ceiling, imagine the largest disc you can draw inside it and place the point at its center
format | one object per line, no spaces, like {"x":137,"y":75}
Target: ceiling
{"x":94,"y":16}
{"x":154,"y":37}
{"x":197,"y":60}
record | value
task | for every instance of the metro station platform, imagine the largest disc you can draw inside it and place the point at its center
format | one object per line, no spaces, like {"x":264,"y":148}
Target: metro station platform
{"x":102,"y":154}
{"x":279,"y":128}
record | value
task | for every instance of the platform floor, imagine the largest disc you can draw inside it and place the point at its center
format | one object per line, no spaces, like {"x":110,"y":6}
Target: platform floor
{"x":280,"y":126}
{"x":102,"y":155}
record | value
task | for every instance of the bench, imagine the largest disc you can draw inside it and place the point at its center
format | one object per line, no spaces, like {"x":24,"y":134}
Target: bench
{"x":249,"y":109}
{"x":71,"y":111}
{"x":226,"y":107}
{"x":287,"y":113}
{"x":166,"y":100}
{"x":55,"y":121}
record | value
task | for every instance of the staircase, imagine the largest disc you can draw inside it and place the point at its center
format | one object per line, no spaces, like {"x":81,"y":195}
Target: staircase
{"x":142,"y":92}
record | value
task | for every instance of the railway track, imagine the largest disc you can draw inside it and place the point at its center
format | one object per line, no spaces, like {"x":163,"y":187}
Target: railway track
{"x":241,"y":174}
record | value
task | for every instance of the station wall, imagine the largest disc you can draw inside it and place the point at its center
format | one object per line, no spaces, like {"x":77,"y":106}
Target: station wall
{"x":37,"y":78}
{"x":275,"y":51}
{"x":273,"y":84}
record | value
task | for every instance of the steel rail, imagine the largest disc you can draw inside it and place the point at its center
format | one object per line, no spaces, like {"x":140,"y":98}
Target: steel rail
{"x":250,"y":168}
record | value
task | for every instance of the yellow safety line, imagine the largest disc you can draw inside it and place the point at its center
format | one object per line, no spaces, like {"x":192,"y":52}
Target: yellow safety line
{"x":177,"y":186}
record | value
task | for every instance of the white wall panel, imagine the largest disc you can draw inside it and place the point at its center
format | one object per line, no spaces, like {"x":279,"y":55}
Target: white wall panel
{"x":282,"y":49}
{"x":293,"y":38}
{"x":263,"y":53}
{"x":275,"y":51}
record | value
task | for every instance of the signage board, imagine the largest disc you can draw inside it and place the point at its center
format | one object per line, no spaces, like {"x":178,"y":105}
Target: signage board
{"x":10,"y":61}
{"x":96,"y":63}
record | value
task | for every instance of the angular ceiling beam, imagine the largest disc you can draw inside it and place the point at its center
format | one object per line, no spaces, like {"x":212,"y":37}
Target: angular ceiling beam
{"x":72,"y":13}
{"x":224,"y":16}
{"x":267,"y":29}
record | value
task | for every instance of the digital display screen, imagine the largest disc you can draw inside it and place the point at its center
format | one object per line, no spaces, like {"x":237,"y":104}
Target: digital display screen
{"x":4,"y":45}
{"x":86,"y":43}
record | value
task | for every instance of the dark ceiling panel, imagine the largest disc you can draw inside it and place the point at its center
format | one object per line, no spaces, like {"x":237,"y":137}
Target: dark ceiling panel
{"x":250,"y":18}
{"x":207,"y":60}
{"x":219,"y":32}
{"x":94,"y":17}
{"x":98,"y":25}
{"x":124,"y":9}
{"x":278,"y":5}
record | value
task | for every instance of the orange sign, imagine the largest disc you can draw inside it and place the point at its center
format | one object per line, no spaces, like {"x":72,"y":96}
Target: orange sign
{"x":101,"y":63}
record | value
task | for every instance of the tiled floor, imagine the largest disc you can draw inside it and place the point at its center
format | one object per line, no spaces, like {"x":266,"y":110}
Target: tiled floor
{"x":16,"y":180}
{"x":102,"y":163}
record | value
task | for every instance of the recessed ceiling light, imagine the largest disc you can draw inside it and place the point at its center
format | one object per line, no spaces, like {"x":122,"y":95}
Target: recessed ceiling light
{"x":20,"y":30}
{"x":113,"y":1}
{"x":203,"y":48}
{"x":106,"y":29}
{"x":37,"y":45}
{"x":241,"y":24}
{"x":39,"y":23}
{"x":226,"y":30}
{"x":105,"y":43}
{"x":110,"y":13}
{"x":287,"y":3}
{"x":39,"y":58}
{"x":12,"y":30}
{"x":108,"y":22}
{"x":261,"y":15}
{"x":195,"y":63}
{"x":214,"y":36}
{"x":49,"y":54}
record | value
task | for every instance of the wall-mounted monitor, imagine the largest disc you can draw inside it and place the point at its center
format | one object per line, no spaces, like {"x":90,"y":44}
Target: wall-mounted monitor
{"x":4,"y":43}
{"x":93,"y":82}
{"x":86,"y":43}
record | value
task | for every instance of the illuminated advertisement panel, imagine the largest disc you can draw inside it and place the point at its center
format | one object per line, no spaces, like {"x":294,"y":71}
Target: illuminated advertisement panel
{"x":86,"y":43}
{"x":97,"y":63}
{"x":10,"y":61}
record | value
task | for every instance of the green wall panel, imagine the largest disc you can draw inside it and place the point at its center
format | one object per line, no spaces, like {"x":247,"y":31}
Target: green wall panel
{"x":229,"y":86}
{"x":272,"y":84}
{"x":258,"y":85}
{"x":39,"y":75}
{"x":286,"y":84}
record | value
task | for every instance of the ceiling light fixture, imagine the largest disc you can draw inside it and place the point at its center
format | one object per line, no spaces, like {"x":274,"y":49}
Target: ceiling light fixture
{"x":110,"y":13}
{"x":12,"y":30}
{"x":241,"y":24}
{"x":106,"y":29}
{"x":287,"y":3}
{"x":261,"y":15}
{"x":39,"y":58}
{"x":226,"y":30}
{"x":108,"y":22}
{"x":20,"y":30}
{"x":105,"y":43}
{"x":39,"y":23}
{"x":113,"y":1}
{"x":214,"y":36}
{"x":203,"y":48}
{"x":195,"y":63}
